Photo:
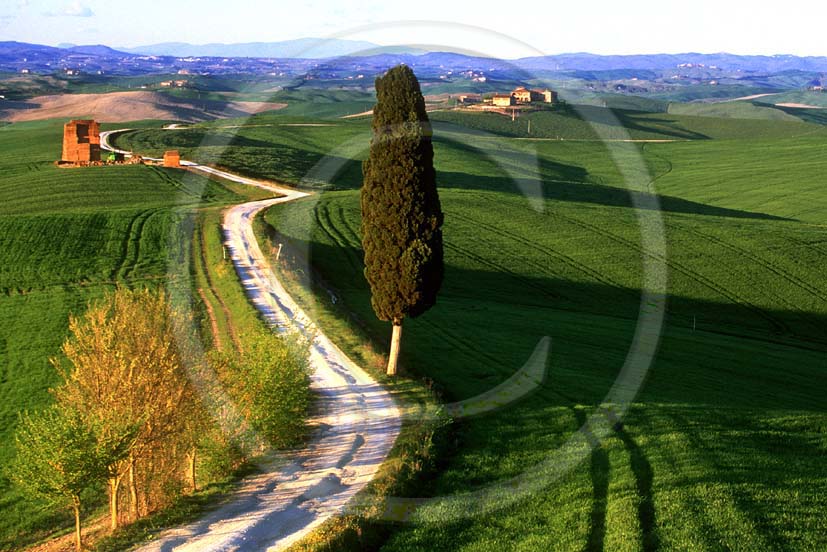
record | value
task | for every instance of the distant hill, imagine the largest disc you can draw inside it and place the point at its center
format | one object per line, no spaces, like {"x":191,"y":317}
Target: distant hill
{"x":302,"y":48}
{"x":314,"y":48}
{"x":662,"y":62}
{"x":18,"y":50}
{"x":96,"y":50}
{"x":320,"y":63}
{"x":12,"y":48}
{"x":128,"y":106}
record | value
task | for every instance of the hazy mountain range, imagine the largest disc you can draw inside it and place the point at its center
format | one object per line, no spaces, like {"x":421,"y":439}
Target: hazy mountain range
{"x":302,"y":48}
{"x":13,"y":55}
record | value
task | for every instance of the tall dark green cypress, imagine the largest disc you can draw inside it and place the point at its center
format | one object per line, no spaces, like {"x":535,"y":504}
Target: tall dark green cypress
{"x":401,"y":213}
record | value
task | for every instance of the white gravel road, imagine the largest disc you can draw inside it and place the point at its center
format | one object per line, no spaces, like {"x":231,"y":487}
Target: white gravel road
{"x":357,"y":420}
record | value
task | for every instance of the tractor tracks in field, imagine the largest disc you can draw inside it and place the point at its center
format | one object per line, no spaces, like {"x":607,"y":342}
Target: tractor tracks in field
{"x":669,"y":167}
{"x":814,"y":246}
{"x":479,"y":259}
{"x":565,"y":259}
{"x":501,"y":268}
{"x":779,"y":326}
{"x":354,"y":233}
{"x":450,"y":336}
{"x":770,"y":266}
{"x":219,"y":344}
{"x":324,"y":221}
{"x":778,"y":271}
{"x":131,"y":245}
{"x":202,"y":254}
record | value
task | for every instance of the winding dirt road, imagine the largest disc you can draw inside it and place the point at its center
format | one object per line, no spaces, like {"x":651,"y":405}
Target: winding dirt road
{"x":357,"y":420}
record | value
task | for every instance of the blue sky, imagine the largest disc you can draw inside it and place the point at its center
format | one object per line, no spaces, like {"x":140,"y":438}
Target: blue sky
{"x":618,"y":27}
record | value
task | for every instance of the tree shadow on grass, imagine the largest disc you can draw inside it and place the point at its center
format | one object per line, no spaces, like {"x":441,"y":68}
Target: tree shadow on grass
{"x":563,"y":182}
{"x":584,"y":192}
{"x":806,"y":114}
{"x":726,"y":336}
{"x":644,"y":477}
{"x":632,"y":120}
{"x":599,"y":471}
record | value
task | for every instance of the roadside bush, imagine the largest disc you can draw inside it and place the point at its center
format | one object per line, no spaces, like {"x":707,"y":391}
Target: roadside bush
{"x":270,"y":380}
{"x":220,"y":457}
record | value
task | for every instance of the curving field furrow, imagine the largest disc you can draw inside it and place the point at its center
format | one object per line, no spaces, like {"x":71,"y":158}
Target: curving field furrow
{"x":128,"y":270}
{"x":501,"y":268}
{"x":669,"y":166}
{"x":769,"y":265}
{"x":343,"y":223}
{"x":566,"y":259}
{"x":444,"y":333}
{"x":122,"y":264}
{"x":173,"y":182}
{"x":325,"y":223}
{"x":775,"y":269}
{"x":813,"y":246}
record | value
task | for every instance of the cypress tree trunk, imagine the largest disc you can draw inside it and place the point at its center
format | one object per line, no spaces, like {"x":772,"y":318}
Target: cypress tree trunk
{"x":396,"y":340}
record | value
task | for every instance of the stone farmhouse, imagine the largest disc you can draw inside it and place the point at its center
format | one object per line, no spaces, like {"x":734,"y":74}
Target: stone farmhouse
{"x":522,"y":96}
{"x":503,"y":100}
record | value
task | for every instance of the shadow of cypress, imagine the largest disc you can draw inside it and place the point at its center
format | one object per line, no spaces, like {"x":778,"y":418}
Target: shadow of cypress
{"x":643,"y":481}
{"x":599,"y":471}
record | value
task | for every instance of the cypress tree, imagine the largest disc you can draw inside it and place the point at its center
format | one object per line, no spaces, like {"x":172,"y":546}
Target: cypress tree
{"x":401,"y":213}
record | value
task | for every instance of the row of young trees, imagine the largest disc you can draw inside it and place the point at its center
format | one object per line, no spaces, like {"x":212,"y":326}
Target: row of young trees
{"x":136,"y":411}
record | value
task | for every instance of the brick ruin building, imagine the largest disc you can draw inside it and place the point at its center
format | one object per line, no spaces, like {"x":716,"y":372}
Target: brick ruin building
{"x":81,"y":142}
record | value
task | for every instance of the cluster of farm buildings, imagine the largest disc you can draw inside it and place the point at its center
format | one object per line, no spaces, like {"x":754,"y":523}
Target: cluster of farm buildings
{"x":82,"y":147}
{"x":518,"y":96}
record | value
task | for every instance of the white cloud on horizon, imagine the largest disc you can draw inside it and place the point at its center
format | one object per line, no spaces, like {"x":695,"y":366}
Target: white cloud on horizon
{"x":75,"y":9}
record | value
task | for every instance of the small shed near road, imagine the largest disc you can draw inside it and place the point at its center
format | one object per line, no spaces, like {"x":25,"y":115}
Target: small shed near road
{"x":172,"y":159}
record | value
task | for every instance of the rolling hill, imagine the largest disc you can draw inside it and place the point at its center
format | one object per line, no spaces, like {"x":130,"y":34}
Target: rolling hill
{"x":128,"y":106}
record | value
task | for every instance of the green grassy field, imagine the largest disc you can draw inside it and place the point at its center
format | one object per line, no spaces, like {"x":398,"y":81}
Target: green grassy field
{"x":593,"y":123}
{"x":272,"y":145}
{"x":796,"y":96}
{"x":692,"y":92}
{"x":731,"y":110}
{"x":722,"y":448}
{"x":66,"y":237}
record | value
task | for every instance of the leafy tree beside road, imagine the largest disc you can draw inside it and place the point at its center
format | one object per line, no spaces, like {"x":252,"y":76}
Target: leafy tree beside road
{"x":59,"y":457}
